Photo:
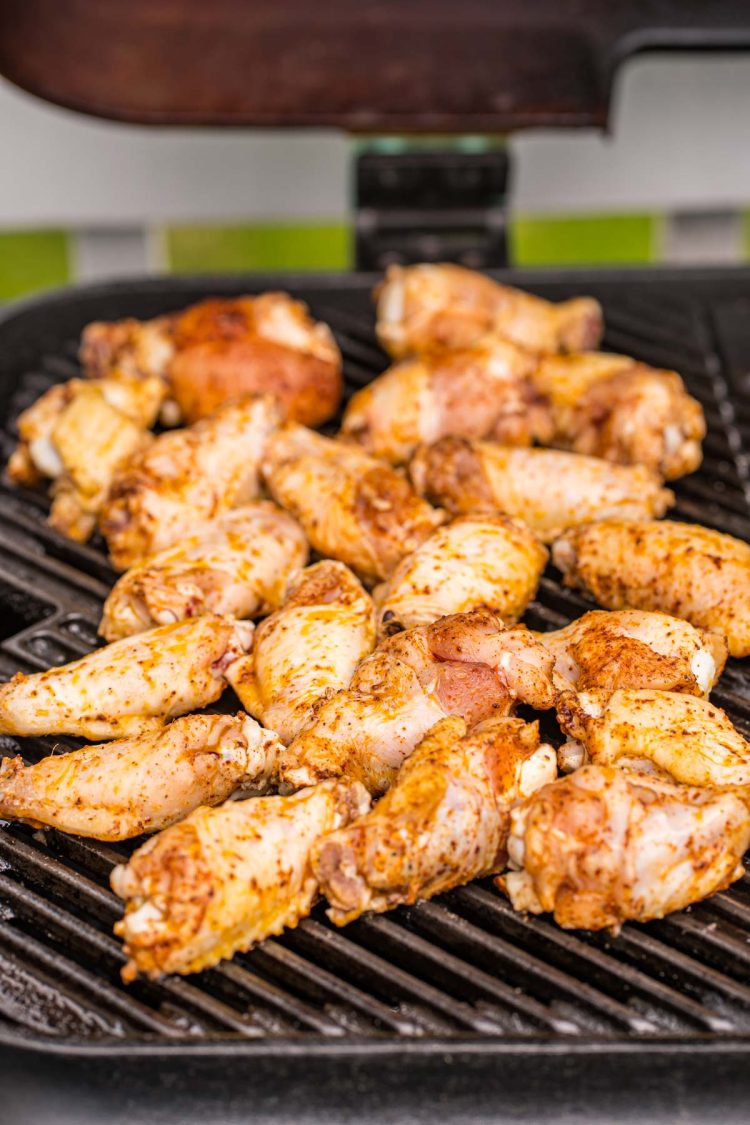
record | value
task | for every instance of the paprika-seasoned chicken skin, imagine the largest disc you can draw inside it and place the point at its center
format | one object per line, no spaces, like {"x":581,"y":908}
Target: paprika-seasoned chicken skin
{"x":443,"y":822}
{"x":549,"y":489}
{"x":631,"y":648}
{"x":467,"y":665}
{"x":689,"y":571}
{"x":611,"y":406}
{"x":186,"y":477}
{"x":481,"y":391}
{"x":426,"y":306}
{"x":687,"y":739}
{"x":224,"y":879}
{"x":485,"y":560}
{"x":306,"y":651}
{"x":353,"y":508}
{"x":606,"y":845}
{"x":140,"y":784}
{"x":133,"y":685}
{"x":226,"y":347}
{"x":237,"y":564}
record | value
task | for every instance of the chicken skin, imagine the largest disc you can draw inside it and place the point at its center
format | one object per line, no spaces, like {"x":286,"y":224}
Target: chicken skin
{"x":132,"y":686}
{"x":606,"y":845}
{"x":467,"y":665}
{"x":224,"y":879}
{"x":685,"y":739}
{"x":306,"y":651}
{"x":223,"y":348}
{"x":611,"y":406}
{"x":549,"y":489}
{"x":475,"y":561}
{"x":476,"y":392}
{"x":237,"y":564}
{"x":631,"y":648}
{"x":426,"y":306}
{"x":185,"y":477}
{"x":141,"y":784}
{"x":443,"y":822}
{"x":689,"y":571}
{"x":353,"y":508}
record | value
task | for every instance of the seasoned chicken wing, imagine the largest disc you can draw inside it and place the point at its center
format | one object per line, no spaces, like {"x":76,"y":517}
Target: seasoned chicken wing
{"x":443,"y":822}
{"x":224,"y":879}
{"x":467,"y":665}
{"x":485,"y":560}
{"x":614,"y":407}
{"x":225,"y":347}
{"x":185,"y":477}
{"x":133,"y":685}
{"x":606,"y":845}
{"x":631,"y":648}
{"x":306,"y":651}
{"x":687,"y":739}
{"x":679,"y":568}
{"x":237,"y":564}
{"x":352,"y":507}
{"x":549,"y":489}
{"x":140,"y":784}
{"x":480,"y":391}
{"x":426,"y":306}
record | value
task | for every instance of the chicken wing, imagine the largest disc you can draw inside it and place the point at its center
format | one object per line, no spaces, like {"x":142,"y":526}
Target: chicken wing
{"x":474,"y":561}
{"x":185,"y":477}
{"x":131,"y":686}
{"x":631,"y":648}
{"x":606,"y":845}
{"x":443,"y":822}
{"x":550,"y":490}
{"x":141,"y":784}
{"x":467,"y":665}
{"x":686,"y":739}
{"x":614,"y":407}
{"x":222,"y":348}
{"x":480,"y":391}
{"x":352,"y":507}
{"x":306,"y":651}
{"x":224,"y":879}
{"x":426,"y":306}
{"x":237,"y":564}
{"x":679,"y":568}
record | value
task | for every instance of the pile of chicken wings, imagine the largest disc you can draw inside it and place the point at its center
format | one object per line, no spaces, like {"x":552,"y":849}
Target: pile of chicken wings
{"x":361,"y":594}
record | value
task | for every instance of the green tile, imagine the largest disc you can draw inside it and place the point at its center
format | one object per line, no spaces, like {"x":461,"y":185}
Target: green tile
{"x":309,"y":246}
{"x":537,"y":240}
{"x":32,"y":259}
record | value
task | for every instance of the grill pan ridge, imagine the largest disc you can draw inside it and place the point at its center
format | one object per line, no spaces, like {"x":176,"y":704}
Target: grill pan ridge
{"x":458,"y":981}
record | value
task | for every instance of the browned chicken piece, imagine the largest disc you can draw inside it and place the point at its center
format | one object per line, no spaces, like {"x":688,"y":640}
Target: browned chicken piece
{"x":128,"y":687}
{"x":443,"y":822}
{"x":606,"y":845}
{"x":688,"y":740}
{"x":611,"y":406}
{"x":185,"y":477}
{"x":468,"y":665}
{"x":140,"y":784}
{"x":689,"y":571}
{"x":225,"y":347}
{"x":224,"y":879}
{"x":426,"y":306}
{"x":475,"y":561}
{"x":550,"y":490}
{"x":238,"y":564}
{"x":352,"y":507}
{"x":480,"y":391}
{"x":632,"y":648}
{"x":306,"y":651}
